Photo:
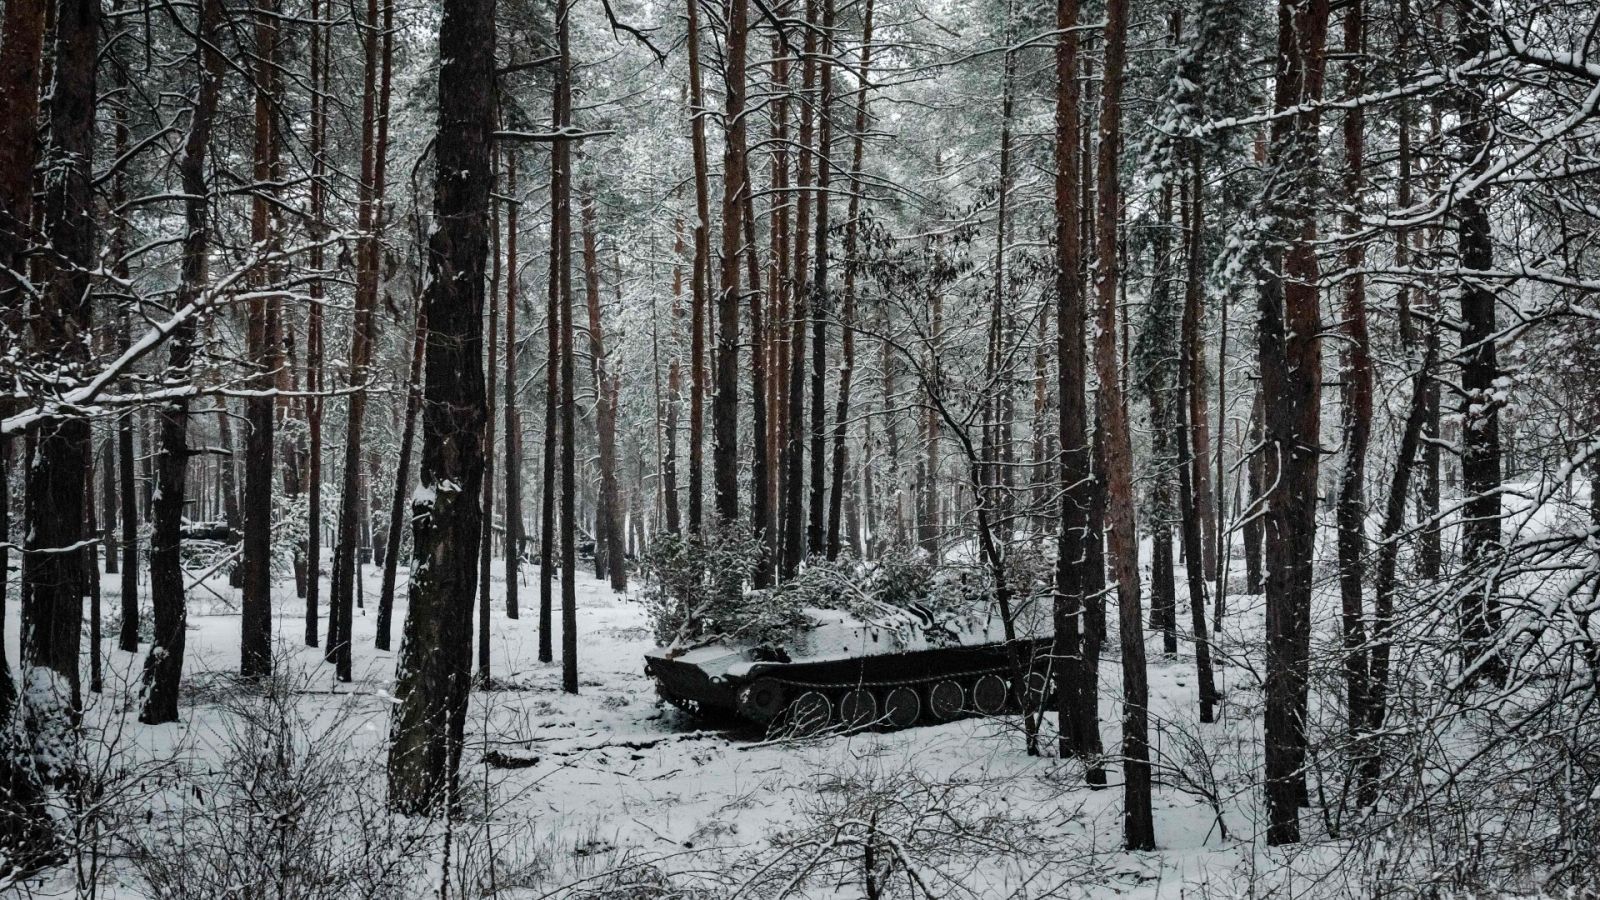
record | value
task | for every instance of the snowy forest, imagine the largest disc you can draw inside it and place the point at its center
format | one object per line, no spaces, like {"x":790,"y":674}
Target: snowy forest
{"x":762,"y":449}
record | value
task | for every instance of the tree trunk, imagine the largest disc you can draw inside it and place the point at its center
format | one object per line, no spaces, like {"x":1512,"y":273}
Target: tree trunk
{"x":725,"y":404}
{"x":791,"y":505}
{"x":1156,"y":361}
{"x":255,"y":638}
{"x":316,"y":380}
{"x":434,"y":676}
{"x":558,"y":294}
{"x":928,"y":521}
{"x":610,"y":538}
{"x":27,"y":834}
{"x":1077,"y":694}
{"x":1190,"y":463}
{"x":8,"y":688}
{"x":816,"y":529}
{"x":1255,"y":467}
{"x":108,"y":504}
{"x":374,"y":156}
{"x":91,"y":579}
{"x":1138,"y":828}
{"x":486,"y":544}
{"x":1394,"y":514}
{"x":402,"y":478}
{"x":50,"y":706}
{"x":891,"y":445}
{"x":1482,"y":398}
{"x":669,"y":460}
{"x":512,"y":461}
{"x":847,"y":355}
{"x":569,"y":491}
{"x":779,"y":293}
{"x":701,"y":280}
{"x":127,"y":492}
{"x":763,"y":527}
{"x":21,"y":48}
{"x":127,"y":497}
{"x":163,"y":668}
{"x":1291,"y":378}
{"x":1357,"y":407}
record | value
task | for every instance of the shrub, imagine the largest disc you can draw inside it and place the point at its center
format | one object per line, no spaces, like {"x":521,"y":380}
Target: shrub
{"x":694,"y":588}
{"x":691,"y":599}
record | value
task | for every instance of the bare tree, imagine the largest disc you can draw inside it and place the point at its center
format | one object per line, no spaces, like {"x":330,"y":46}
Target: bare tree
{"x":435,"y":672}
{"x":1289,"y":350}
{"x":1138,"y":827}
{"x":1076,"y":679}
{"x":163,"y":668}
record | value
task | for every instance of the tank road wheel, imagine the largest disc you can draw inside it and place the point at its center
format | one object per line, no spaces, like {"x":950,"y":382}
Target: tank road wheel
{"x":989,"y":695}
{"x":946,"y":700}
{"x":1032,"y":692}
{"x":902,"y":707}
{"x":810,"y":713}
{"x":858,"y":709}
{"x":761,"y":700}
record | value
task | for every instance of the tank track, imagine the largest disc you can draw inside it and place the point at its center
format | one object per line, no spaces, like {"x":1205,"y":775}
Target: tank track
{"x":788,"y":719}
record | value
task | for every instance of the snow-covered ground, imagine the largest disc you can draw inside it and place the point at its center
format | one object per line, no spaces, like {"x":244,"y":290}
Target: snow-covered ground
{"x":611,"y":780}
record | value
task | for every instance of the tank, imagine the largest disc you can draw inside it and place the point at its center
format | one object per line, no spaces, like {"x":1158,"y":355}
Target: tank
{"x":905,"y":669}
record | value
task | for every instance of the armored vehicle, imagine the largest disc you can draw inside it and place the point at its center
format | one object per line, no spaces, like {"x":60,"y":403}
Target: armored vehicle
{"x":910,"y":668}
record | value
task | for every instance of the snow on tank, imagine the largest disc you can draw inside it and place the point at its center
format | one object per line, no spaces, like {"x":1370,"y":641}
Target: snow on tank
{"x":871,"y":656}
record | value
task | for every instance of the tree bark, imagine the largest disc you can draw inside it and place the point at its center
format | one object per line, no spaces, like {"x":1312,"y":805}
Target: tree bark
{"x":701,"y":280}
{"x":569,"y":491}
{"x":610,"y":538}
{"x":374,"y":158}
{"x":821,"y":298}
{"x":852,"y":265}
{"x":725,"y":404}
{"x":1255,"y":463}
{"x":91,"y":579}
{"x":1482,"y":396}
{"x":928,"y":518}
{"x":127,"y":492}
{"x":8,"y":687}
{"x":780,"y":288}
{"x":1138,"y":827}
{"x":1077,"y":693}
{"x":1291,"y":378}
{"x":127,"y":497}
{"x":1356,"y":411}
{"x":560,"y":273}
{"x":163,"y":668}
{"x":127,"y":566}
{"x":316,"y":379}
{"x":50,"y":707}
{"x":512,"y":461}
{"x":792,"y":507}
{"x":669,"y":459}
{"x":21,"y":50}
{"x":435,"y":673}
{"x":1189,"y":459}
{"x":486,"y":544}
{"x":762,"y":524}
{"x":402,"y":478}
{"x":255,"y":639}
{"x":108,"y":504}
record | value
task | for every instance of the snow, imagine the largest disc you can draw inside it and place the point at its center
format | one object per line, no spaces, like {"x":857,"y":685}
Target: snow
{"x":614,"y":778}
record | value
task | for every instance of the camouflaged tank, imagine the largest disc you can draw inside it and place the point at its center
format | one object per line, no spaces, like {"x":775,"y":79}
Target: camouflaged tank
{"x":901,"y":669}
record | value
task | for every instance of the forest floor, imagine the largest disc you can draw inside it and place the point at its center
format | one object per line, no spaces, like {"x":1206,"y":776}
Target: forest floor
{"x":611,"y":789}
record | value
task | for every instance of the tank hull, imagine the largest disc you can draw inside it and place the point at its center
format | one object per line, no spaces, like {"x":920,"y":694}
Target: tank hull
{"x":894,"y":689}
